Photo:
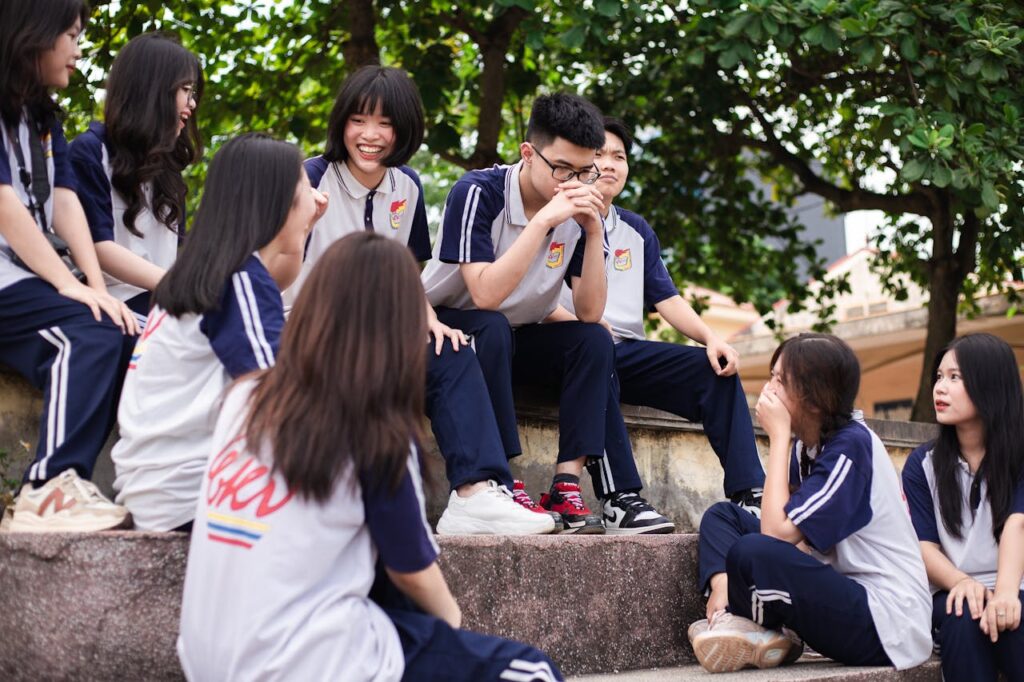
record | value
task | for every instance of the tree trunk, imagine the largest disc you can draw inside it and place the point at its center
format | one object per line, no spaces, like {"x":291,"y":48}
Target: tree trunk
{"x":359,"y":17}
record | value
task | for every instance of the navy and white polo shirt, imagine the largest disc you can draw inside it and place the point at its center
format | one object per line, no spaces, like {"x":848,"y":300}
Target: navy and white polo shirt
{"x":483,"y":216}
{"x":175,"y":380}
{"x":58,"y":170}
{"x":394,"y":209}
{"x":277,"y":584}
{"x":104,"y":208}
{"x":977,"y":552}
{"x":852,"y":513}
{"x":637,"y":277}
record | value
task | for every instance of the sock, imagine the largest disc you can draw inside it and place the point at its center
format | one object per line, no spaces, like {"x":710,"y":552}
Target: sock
{"x":565,"y":478}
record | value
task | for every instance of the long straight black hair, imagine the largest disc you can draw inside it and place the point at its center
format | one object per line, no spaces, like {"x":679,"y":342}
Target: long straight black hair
{"x":28,"y":28}
{"x":142,"y":117}
{"x":250,"y":188}
{"x":988,"y":369}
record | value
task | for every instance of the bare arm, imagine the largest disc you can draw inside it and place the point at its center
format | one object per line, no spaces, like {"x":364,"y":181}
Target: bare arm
{"x":27,"y":240}
{"x":128,"y":267}
{"x":430,"y":592}
{"x":681,"y":315}
{"x":776,"y":421}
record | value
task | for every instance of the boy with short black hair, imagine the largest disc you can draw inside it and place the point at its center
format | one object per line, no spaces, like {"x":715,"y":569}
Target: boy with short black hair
{"x":699,"y":384}
{"x":510,"y":236}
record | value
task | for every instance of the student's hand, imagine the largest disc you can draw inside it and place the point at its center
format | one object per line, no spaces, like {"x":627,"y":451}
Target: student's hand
{"x":1001,"y":613}
{"x":719,"y":597}
{"x":973,"y":592}
{"x":574,"y":200}
{"x":98,"y":301}
{"x":441,"y":331}
{"x":773,"y":415}
{"x":717,"y":348}
{"x":321,"y":200}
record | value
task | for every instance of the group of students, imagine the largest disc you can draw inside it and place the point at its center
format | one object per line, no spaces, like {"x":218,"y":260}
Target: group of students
{"x":290,"y":451}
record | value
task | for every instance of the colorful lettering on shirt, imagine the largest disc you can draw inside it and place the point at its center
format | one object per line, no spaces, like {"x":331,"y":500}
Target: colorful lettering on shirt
{"x":140,"y":345}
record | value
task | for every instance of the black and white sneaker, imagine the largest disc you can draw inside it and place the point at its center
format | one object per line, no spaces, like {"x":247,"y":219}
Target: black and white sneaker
{"x":749,"y":499}
{"x":630,"y":514}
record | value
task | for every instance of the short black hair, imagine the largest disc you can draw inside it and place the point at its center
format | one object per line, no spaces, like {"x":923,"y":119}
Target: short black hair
{"x":398,"y":98}
{"x":618,"y":128}
{"x":568,"y":116}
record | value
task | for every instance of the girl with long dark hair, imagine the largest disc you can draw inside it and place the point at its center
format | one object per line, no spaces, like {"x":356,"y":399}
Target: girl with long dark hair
{"x":313,"y":474}
{"x":128,"y":168}
{"x":216,"y":315}
{"x":375,"y":127}
{"x":59,"y":328}
{"x":966,"y":496}
{"x":858,"y":592}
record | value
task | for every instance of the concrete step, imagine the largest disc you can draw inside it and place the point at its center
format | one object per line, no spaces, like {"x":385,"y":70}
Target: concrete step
{"x":805,"y":670}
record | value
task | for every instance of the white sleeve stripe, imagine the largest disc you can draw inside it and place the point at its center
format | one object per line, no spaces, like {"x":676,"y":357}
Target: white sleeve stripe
{"x":468,"y":216}
{"x":818,"y":499}
{"x":244,"y":307}
{"x":417,"y":483}
{"x":257,"y":319}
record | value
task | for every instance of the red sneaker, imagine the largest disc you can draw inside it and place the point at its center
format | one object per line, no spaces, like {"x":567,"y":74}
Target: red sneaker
{"x":520,"y":495}
{"x":567,"y":500}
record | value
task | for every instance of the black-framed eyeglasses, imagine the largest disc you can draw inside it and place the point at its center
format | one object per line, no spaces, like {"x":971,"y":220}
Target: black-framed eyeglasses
{"x":565,"y":174}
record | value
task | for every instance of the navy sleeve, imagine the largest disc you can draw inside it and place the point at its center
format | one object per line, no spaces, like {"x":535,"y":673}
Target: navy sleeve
{"x":919,"y":496}
{"x":1017,"y":507}
{"x":398,"y":521}
{"x":5,"y":163}
{"x":794,"y":467}
{"x":419,"y":237}
{"x":834,"y":501}
{"x":62,"y":175}
{"x":575,"y":268}
{"x":466,"y":226}
{"x":245,"y":331}
{"x":93,"y":185}
{"x":316,"y":168}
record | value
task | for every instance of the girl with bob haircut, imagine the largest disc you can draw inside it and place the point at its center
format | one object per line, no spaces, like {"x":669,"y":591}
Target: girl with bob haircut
{"x":966,"y":496}
{"x":313,"y":475}
{"x":59,"y":327}
{"x":217,"y":315}
{"x":129,"y":167}
{"x":375,"y":127}
{"x":857,"y":592}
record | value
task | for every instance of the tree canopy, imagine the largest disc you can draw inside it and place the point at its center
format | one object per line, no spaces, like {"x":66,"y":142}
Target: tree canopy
{"x":906,"y":107}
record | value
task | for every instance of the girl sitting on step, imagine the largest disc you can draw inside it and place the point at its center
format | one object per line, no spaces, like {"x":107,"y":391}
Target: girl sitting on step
{"x":966,"y":496}
{"x":313,"y":475}
{"x":833,"y":556}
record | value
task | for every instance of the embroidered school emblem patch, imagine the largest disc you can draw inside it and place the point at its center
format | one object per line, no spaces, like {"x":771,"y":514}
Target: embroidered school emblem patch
{"x":622,"y":259}
{"x":556,"y":253}
{"x":397,"y":209}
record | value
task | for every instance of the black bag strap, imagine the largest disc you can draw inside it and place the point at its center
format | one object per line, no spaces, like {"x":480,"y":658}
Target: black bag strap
{"x":37,"y":184}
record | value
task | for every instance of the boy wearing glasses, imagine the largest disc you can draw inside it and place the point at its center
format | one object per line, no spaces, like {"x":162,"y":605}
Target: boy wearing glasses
{"x":510,"y":236}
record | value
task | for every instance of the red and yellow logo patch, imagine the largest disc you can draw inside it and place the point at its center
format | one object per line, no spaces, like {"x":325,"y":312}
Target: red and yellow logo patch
{"x":623,"y":261}
{"x":556,"y":254}
{"x":397,"y":209}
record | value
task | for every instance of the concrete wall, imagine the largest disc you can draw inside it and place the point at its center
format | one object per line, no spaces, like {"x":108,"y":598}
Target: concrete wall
{"x":680,"y":470}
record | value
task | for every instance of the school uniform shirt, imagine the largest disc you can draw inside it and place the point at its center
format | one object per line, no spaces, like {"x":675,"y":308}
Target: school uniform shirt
{"x":277,"y":586}
{"x":851,"y":511}
{"x":394,"y":209}
{"x":58,"y":171}
{"x":977,"y":552}
{"x":483,"y":217}
{"x":104,"y":208}
{"x":637,"y":277}
{"x":172,"y":390}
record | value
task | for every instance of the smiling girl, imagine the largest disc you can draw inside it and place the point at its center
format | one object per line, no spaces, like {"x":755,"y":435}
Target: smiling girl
{"x":966,"y":496}
{"x":61,"y":334}
{"x":128,"y":169}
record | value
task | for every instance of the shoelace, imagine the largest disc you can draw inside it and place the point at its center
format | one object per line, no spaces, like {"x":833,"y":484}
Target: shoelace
{"x":86,"y":489}
{"x":574,"y":498}
{"x":634,"y":501}
{"x":721,"y":617}
{"x":520,"y":496}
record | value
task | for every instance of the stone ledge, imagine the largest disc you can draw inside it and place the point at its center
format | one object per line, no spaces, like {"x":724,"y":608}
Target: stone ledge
{"x":805,"y":670}
{"x":105,"y":606}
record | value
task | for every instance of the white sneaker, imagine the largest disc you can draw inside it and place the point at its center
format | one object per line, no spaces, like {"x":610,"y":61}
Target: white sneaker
{"x":491,"y":511}
{"x":65,"y":504}
{"x":729,"y":643}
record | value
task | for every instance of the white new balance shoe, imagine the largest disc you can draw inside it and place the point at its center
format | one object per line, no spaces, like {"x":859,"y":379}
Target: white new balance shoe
{"x":65,"y":504}
{"x":491,"y":511}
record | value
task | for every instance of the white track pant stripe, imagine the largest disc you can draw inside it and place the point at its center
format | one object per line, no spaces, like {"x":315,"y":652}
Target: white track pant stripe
{"x":527,"y":671}
{"x":57,"y":408}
